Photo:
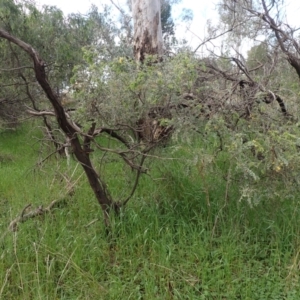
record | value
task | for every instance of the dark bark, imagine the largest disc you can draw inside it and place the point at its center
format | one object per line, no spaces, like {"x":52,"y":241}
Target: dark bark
{"x":287,"y":43}
{"x":81,"y":151}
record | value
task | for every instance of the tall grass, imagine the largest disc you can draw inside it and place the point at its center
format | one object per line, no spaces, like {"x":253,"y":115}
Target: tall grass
{"x":185,"y":235}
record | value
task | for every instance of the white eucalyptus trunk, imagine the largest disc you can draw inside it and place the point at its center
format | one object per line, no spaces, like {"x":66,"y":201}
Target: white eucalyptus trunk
{"x":147,"y":28}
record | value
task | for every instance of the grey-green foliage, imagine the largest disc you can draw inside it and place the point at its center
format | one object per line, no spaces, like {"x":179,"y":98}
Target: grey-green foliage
{"x":59,"y":40}
{"x":235,"y":18}
{"x":270,"y":67}
{"x":120,"y":91}
{"x":258,"y":55}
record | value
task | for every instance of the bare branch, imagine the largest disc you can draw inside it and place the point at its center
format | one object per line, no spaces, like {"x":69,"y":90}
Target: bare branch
{"x":112,"y":133}
{"x":15,"y":69}
{"x":41,"y":113}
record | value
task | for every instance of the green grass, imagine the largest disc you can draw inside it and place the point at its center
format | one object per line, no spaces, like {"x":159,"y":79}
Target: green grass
{"x":184,"y":235}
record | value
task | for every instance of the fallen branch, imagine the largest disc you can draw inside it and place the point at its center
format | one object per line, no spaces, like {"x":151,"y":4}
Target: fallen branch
{"x":13,"y":226}
{"x":39,"y":211}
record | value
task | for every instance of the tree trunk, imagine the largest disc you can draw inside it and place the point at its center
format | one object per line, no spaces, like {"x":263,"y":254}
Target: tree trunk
{"x":147,"y":28}
{"x":81,"y":150}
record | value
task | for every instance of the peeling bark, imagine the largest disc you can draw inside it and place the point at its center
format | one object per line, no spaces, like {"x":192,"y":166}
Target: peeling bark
{"x":147,"y":28}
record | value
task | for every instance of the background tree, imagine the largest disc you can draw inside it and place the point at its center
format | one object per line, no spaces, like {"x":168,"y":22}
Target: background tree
{"x":147,"y":28}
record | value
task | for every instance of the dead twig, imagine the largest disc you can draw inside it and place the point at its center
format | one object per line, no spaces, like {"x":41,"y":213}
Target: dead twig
{"x":40,"y":210}
{"x":13,"y":226}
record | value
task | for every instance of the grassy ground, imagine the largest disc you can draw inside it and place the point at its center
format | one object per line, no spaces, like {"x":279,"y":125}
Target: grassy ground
{"x":185,"y":235}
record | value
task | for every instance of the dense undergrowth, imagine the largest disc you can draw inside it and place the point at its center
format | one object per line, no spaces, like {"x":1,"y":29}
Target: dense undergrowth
{"x":186,"y":234}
